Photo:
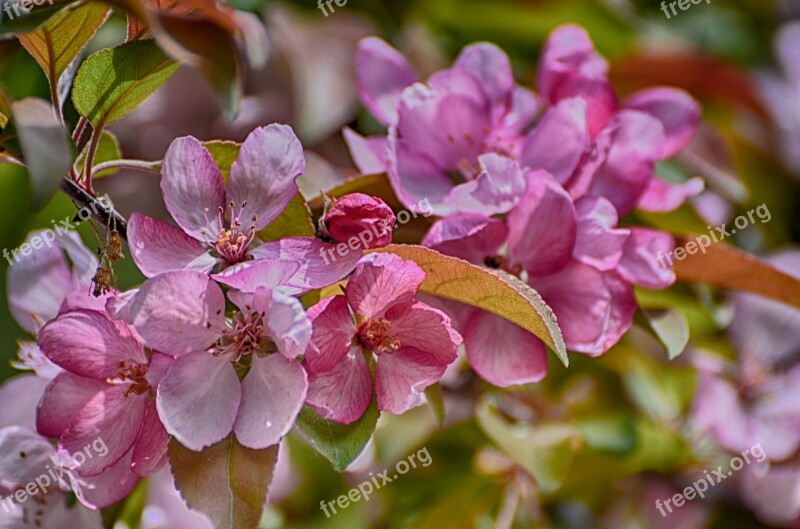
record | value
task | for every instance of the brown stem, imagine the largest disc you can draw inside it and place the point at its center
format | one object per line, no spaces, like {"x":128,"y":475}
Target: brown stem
{"x":108,"y":217}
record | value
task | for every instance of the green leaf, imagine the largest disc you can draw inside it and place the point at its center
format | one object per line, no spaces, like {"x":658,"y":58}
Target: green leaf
{"x":614,"y":433}
{"x":545,"y":450}
{"x":114,"y":81}
{"x":46,"y":146}
{"x":671,"y":327}
{"x":31,"y":20}
{"x":494,"y":291}
{"x":224,"y":153}
{"x":295,"y":221}
{"x":338,"y":443}
{"x":226,"y":481}
{"x":57,"y":43}
{"x":436,"y":402}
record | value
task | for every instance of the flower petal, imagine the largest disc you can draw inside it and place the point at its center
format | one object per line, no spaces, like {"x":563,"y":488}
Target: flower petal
{"x":261,"y":273}
{"x":641,"y":261}
{"x":416,"y":178}
{"x":263,"y":177}
{"x":469,"y":236}
{"x":422,"y":327}
{"x":543,"y":227}
{"x":369,"y":154}
{"x":287,"y":322}
{"x":90,"y":344}
{"x":23,"y":454}
{"x":108,"y":488}
{"x":381,"y":281}
{"x":157,"y":247}
{"x":491,"y":66}
{"x":678,"y":112}
{"x":321,"y":264}
{"x":333,"y":333}
{"x":150,"y":450}
{"x":63,"y":399}
{"x":198,"y":400}
{"x":20,"y":395}
{"x":496,"y":190}
{"x":559,"y":141}
{"x":598,"y":243}
{"x":663,"y":197}
{"x":503,"y":353}
{"x":343,"y":393}
{"x":177,"y":312}
{"x":272,"y":395}
{"x":192,"y":187}
{"x":381,"y":75}
{"x":402,"y":377}
{"x":111,"y":416}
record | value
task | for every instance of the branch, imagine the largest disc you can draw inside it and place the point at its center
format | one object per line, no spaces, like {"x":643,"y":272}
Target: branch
{"x":108,"y":217}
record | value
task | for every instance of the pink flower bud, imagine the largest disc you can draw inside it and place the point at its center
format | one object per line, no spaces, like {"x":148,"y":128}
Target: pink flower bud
{"x":369,"y":219}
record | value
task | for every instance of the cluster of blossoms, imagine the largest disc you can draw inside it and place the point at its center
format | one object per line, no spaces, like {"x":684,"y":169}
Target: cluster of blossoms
{"x":540,"y":199}
{"x":216,"y":341}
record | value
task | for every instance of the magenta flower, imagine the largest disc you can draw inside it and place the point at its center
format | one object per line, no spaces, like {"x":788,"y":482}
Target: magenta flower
{"x":218,"y":222}
{"x":201,"y":399}
{"x":357,"y":216}
{"x":448,"y":139}
{"x":573,"y":255}
{"x":107,"y":392}
{"x":412,"y":343}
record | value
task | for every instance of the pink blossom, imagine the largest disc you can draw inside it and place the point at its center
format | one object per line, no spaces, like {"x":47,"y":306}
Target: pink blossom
{"x":200,"y":398}
{"x":412,"y":343}
{"x":106,"y":391}
{"x":356,"y":215}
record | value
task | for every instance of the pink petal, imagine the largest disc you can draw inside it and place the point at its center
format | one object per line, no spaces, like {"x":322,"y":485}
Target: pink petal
{"x":568,"y":50}
{"x":321,"y":264}
{"x":108,"y":488}
{"x":160,"y":247}
{"x":198,"y":400}
{"x":287,"y":322}
{"x":110,"y":416}
{"x":772,"y":492}
{"x":63,"y":399}
{"x":369,"y":154}
{"x":678,"y":112}
{"x":641,"y":262}
{"x":424,"y":328}
{"x":150,"y":450}
{"x":90,"y":344}
{"x":416,"y":178}
{"x":264,"y":175}
{"x":524,"y":106}
{"x":343,"y":393}
{"x":402,"y":377}
{"x":20,"y":395}
{"x":717,"y":410}
{"x":503,"y":353}
{"x":787,"y":50}
{"x":594,"y":309}
{"x":543,"y":227}
{"x":491,"y":66}
{"x":637,"y":141}
{"x":662,"y":197}
{"x":559,"y":141}
{"x":267,"y":273}
{"x":496,"y":190}
{"x":23,"y":454}
{"x":381,"y":75}
{"x":380,"y":281}
{"x":272,"y":395}
{"x":469,"y":236}
{"x":598,"y":243}
{"x":333,"y":332}
{"x":192,"y":187}
{"x":178,"y":312}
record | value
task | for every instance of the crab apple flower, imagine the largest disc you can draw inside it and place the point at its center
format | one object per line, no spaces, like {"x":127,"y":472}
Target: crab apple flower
{"x":357,"y":215}
{"x":217,"y":222}
{"x":445,"y":137}
{"x":200,"y":398}
{"x":412,"y":342}
{"x":625,"y":139}
{"x":573,"y":255}
{"x":106,"y":391}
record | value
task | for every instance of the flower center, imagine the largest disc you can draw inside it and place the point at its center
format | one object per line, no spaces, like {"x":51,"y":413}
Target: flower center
{"x":133,"y":374}
{"x":377,"y":335}
{"x":232,"y":243}
{"x":244,"y":336}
